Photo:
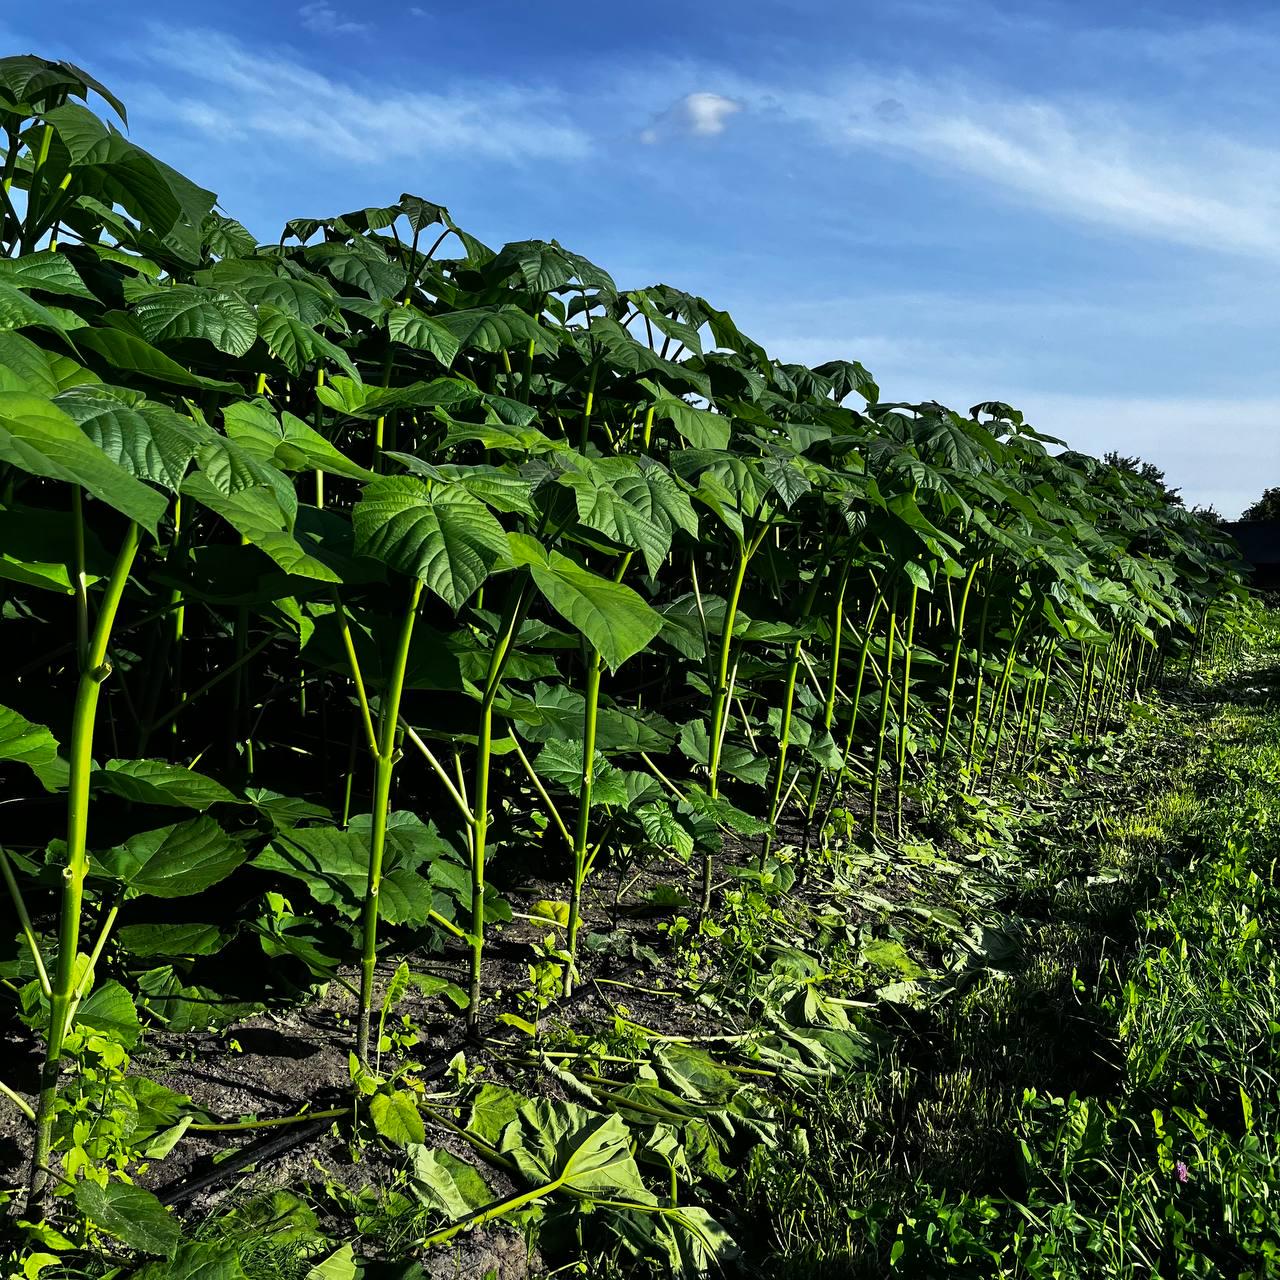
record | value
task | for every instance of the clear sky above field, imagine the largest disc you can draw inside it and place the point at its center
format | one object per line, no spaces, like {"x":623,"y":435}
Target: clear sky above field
{"x":1074,"y":207}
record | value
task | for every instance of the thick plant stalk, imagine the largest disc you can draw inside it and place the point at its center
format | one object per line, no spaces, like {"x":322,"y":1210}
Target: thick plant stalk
{"x":784,"y":728}
{"x":582,"y":855}
{"x":1000,"y":702}
{"x":581,"y":859}
{"x":864,"y":652}
{"x":829,"y":700}
{"x":906,"y":705}
{"x":955,"y":660}
{"x":94,"y":671}
{"x":480,"y":812}
{"x":720,"y":698}
{"x":980,"y":656}
{"x":319,"y":424}
{"x":1044,"y":698}
{"x":385,"y":755}
{"x":887,"y":681}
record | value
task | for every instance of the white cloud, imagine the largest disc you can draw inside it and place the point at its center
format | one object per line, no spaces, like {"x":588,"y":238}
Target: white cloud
{"x":702,"y":114}
{"x":325,"y":20}
{"x":232,"y":90}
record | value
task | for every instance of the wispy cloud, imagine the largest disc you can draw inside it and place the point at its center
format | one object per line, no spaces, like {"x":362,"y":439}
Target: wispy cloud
{"x":325,"y":20}
{"x":702,"y":114}
{"x":233,"y":91}
{"x":1084,"y":159}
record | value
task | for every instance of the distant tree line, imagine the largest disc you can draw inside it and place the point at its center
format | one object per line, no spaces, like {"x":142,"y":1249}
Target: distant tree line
{"x":1267,"y":507}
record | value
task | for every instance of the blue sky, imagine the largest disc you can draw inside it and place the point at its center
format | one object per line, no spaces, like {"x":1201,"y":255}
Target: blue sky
{"x":1073,"y":207}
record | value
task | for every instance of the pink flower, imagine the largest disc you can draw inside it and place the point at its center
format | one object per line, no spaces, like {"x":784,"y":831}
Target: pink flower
{"x":1182,"y":1171}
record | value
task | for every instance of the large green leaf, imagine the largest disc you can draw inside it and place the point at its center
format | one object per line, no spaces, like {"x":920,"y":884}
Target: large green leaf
{"x":297,"y":346}
{"x":109,"y":1009}
{"x":148,"y":440}
{"x":442,"y":534}
{"x":560,"y":761}
{"x":34,"y":746}
{"x":38,"y":437}
{"x":255,"y":514}
{"x":171,"y":939}
{"x":46,"y":271}
{"x":496,"y":329}
{"x":27,"y":367}
{"x":175,"y":861}
{"x":395,"y":1116}
{"x":130,"y":1213}
{"x":359,"y":400}
{"x":37,"y":546}
{"x":334,"y":865}
{"x":616,"y":621}
{"x":286,"y":441}
{"x":119,"y":172}
{"x":362,"y":265}
{"x":196,"y":1261}
{"x":137,"y":358}
{"x":18,"y":311}
{"x":158,"y":782}
{"x":422,"y":332}
{"x":574,"y":1149}
{"x":180,"y":311}
{"x":450,"y":1186}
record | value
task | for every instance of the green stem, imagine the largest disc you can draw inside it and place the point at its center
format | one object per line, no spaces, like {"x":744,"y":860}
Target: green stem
{"x":720,"y":698}
{"x":906,"y":703}
{"x":93,"y":673}
{"x":80,"y":579}
{"x":480,"y":821}
{"x":238,"y":1126}
{"x":590,"y":404}
{"x":884,"y":714}
{"x":383,"y":770}
{"x":29,"y":229}
{"x":590,"y":715}
{"x":784,"y":731}
{"x":955,"y":659}
{"x":864,"y":652}
{"x":24,"y":922}
{"x":979,"y":661}
{"x":18,"y":1101}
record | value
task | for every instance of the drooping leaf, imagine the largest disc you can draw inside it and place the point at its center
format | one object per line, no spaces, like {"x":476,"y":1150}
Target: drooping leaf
{"x":196,"y":1261}
{"x":298,"y":346}
{"x":171,"y":939}
{"x":158,"y":782}
{"x":34,"y":746}
{"x":148,"y":440}
{"x":422,"y":332}
{"x":612,"y":616}
{"x":134,"y":357}
{"x":38,"y":437}
{"x":286,"y":441}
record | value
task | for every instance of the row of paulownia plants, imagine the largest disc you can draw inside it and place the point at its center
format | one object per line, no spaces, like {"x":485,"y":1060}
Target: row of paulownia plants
{"x":322,"y":539}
